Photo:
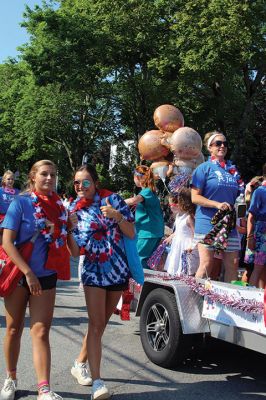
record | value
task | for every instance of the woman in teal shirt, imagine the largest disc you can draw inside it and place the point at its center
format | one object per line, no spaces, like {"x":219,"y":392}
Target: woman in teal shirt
{"x":149,"y":216}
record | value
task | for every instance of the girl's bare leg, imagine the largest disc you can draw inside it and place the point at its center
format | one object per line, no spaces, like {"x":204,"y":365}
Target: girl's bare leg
{"x":231,"y":260}
{"x":41,"y":315}
{"x":206,"y":262}
{"x":100,"y":305}
{"x":15,"y":306}
{"x":256,"y":275}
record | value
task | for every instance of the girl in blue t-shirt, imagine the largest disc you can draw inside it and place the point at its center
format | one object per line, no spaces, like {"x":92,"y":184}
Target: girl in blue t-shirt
{"x":7,"y":193}
{"x":149,"y":216}
{"x":215,"y":186}
{"x":38,"y":213}
{"x":256,"y":232}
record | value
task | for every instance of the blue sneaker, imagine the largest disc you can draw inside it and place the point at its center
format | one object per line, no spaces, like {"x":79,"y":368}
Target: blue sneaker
{"x":99,"y":390}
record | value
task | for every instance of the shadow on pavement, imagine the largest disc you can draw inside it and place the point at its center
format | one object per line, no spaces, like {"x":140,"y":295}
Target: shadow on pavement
{"x":23,"y":394}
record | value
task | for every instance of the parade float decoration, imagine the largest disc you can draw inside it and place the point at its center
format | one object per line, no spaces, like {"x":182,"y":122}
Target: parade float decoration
{"x":185,"y":144}
{"x":174,"y":149}
{"x":150,"y":146}
{"x":151,"y":149}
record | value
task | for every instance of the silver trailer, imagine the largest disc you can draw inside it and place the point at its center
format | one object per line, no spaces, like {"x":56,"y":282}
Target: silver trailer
{"x":171,"y":322}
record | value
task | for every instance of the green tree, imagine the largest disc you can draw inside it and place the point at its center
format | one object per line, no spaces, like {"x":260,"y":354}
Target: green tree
{"x":105,"y":65}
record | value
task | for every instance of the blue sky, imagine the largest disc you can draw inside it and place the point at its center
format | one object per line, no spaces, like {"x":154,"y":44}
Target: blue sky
{"x":11,"y":33}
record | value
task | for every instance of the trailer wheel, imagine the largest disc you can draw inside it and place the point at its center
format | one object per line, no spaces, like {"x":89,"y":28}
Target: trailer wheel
{"x":160,"y":329}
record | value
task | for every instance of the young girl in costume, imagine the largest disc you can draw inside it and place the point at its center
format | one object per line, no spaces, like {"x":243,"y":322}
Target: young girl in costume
{"x":37,"y":211}
{"x":182,"y":241}
{"x":148,"y":215}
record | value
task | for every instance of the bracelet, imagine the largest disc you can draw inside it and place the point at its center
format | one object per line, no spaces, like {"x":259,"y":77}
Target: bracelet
{"x":121,"y":220}
{"x":70,"y":231}
{"x":250,"y":236}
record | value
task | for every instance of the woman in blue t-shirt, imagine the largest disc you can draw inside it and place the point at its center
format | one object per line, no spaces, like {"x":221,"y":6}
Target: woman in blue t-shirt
{"x":38,"y":213}
{"x":7,"y":193}
{"x":149,"y":216}
{"x":215,"y":186}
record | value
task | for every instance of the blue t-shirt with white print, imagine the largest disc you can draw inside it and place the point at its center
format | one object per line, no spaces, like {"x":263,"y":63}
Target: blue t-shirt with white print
{"x":19,"y":218}
{"x":215,"y":184}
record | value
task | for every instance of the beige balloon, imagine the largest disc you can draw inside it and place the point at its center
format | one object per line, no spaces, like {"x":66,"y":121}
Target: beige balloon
{"x":168,"y":118}
{"x":150,"y":147}
{"x":193,"y":163}
{"x":185,"y":143}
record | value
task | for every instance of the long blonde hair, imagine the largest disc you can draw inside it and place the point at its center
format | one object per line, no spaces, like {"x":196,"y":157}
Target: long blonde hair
{"x":30,"y":185}
{"x":146,"y":178}
{"x":4,"y":177}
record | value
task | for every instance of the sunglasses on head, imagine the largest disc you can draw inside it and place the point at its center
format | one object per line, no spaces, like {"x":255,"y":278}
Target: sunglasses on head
{"x":84,"y":183}
{"x":138,"y":173}
{"x":218,"y":143}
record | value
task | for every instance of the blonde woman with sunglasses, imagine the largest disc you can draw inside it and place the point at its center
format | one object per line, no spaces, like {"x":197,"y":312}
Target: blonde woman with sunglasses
{"x":215,"y":186}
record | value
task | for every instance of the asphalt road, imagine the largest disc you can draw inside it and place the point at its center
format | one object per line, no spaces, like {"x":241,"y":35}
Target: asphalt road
{"x":217,"y":371}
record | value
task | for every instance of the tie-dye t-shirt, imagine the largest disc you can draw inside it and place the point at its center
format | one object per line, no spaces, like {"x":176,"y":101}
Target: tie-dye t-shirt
{"x":105,"y":261}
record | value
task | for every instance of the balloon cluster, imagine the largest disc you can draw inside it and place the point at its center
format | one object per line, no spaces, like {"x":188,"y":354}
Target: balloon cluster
{"x":172,"y":136}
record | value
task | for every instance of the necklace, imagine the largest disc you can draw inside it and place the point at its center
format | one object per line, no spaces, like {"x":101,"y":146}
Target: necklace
{"x":9,"y":190}
{"x":229,"y":167}
{"x":40,"y":216}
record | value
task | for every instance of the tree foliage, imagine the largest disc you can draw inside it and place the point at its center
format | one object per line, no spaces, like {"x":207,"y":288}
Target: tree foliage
{"x":94,"y":71}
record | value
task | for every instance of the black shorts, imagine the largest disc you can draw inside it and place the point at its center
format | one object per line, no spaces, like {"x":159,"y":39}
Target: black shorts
{"x":112,"y":288}
{"x":46,"y":282}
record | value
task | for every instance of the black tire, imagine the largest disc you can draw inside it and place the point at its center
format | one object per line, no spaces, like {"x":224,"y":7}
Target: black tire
{"x":160,"y":329}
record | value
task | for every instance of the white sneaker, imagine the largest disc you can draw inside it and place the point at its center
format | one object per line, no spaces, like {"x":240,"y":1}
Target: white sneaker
{"x":9,"y":389}
{"x":81,"y":373}
{"x":99,"y":390}
{"x":49,"y":396}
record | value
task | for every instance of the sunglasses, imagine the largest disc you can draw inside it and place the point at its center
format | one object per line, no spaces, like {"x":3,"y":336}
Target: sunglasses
{"x":138,"y":173}
{"x":218,"y":143}
{"x":85,"y":183}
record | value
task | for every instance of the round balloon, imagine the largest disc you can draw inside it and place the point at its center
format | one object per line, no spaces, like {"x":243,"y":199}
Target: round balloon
{"x":192,"y":163}
{"x":185,"y":143}
{"x":150,"y":147}
{"x":168,"y":118}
